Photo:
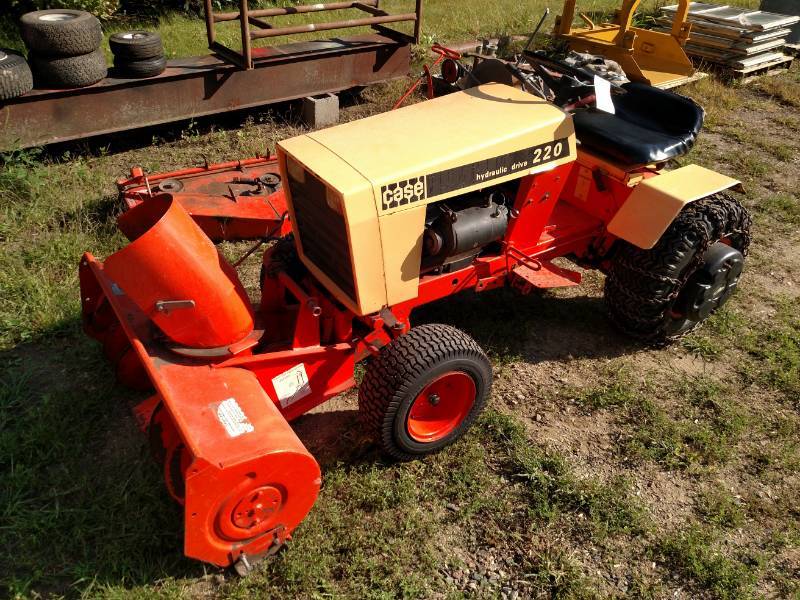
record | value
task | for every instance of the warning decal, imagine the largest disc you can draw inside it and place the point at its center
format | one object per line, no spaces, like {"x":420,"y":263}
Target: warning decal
{"x":233,"y":419}
{"x":292,"y":385}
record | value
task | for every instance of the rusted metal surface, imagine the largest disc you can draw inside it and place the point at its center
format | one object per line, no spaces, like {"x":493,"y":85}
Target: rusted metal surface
{"x":244,"y":59}
{"x":199,"y":86}
{"x":311,"y":27}
{"x":293,"y":10}
{"x":236,"y":200}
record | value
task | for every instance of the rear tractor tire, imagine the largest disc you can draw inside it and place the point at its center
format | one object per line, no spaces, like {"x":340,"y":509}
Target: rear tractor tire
{"x":424,"y":390}
{"x":661,"y":294}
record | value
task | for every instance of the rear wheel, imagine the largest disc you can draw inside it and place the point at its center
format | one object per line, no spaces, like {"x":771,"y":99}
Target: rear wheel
{"x":424,"y":390}
{"x":15,"y":75}
{"x":136,"y":45}
{"x":661,"y":294}
{"x":61,"y":32}
{"x":70,"y":71}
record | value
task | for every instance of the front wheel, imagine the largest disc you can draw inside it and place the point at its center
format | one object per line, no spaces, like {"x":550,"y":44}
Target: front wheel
{"x":661,"y":294}
{"x":424,"y":390}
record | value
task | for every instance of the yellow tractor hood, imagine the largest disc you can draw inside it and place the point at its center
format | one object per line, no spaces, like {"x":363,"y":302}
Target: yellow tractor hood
{"x":357,"y":192}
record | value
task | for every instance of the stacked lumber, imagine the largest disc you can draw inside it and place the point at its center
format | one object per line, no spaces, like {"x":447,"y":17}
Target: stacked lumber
{"x":739,"y":40}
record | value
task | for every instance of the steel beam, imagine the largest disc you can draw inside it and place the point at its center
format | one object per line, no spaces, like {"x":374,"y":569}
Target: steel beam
{"x":200,"y":86}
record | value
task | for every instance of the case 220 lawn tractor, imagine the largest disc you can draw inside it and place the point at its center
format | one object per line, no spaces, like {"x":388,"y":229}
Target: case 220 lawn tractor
{"x":475,"y":190}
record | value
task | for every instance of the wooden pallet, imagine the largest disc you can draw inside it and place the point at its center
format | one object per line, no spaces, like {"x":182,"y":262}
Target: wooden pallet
{"x":773,"y":67}
{"x":747,"y":74}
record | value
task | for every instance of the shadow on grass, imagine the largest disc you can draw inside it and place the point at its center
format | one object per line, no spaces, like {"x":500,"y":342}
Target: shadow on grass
{"x":83,"y":503}
{"x":534,"y":328}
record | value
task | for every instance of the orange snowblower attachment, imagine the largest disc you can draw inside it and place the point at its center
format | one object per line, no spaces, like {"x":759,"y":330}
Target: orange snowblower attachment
{"x":229,"y":456}
{"x":176,"y":276}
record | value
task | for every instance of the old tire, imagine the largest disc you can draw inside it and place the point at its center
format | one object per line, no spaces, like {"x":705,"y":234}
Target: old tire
{"x":424,"y":390}
{"x":15,"y":75}
{"x":69,"y":71}
{"x":140,"y":69}
{"x":661,"y":294}
{"x":136,"y":45}
{"x":61,"y":32}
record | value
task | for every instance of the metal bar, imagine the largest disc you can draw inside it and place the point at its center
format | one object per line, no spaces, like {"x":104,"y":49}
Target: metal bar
{"x":210,"y":22}
{"x":312,"y":27}
{"x":418,"y":21}
{"x":259,"y":23}
{"x":200,"y":86}
{"x":229,"y":54}
{"x":373,"y":10}
{"x":292,"y":10}
{"x":246,"y":35}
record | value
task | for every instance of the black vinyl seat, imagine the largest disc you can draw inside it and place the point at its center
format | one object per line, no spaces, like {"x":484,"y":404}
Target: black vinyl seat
{"x":650,"y":125}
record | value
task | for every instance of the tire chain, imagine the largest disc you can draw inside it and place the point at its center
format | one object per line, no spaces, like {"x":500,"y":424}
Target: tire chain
{"x":709,"y":219}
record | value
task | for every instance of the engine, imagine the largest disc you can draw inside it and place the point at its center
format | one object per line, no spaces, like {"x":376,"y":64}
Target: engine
{"x":457,"y":230}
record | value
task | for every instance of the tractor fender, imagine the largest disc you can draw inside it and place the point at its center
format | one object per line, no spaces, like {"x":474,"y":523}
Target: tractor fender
{"x":656,"y":201}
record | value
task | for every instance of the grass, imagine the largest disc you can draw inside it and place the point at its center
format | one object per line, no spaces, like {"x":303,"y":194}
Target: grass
{"x":783,"y":206}
{"x":693,"y":554}
{"x":83,"y":511}
{"x":719,"y":508}
{"x":776,"y":348}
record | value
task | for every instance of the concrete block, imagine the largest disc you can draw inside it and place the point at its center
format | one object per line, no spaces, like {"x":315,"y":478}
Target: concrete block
{"x":321,"y":111}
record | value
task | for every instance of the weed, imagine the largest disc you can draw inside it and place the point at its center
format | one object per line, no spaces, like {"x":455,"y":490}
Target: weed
{"x":552,"y":489}
{"x":751,"y":165}
{"x":692,"y":554}
{"x":783,"y":207}
{"x":784,"y":88}
{"x":718,"y":507}
{"x":702,"y":345}
{"x":776,"y":345}
{"x":704,"y":435}
{"x":616,"y":392}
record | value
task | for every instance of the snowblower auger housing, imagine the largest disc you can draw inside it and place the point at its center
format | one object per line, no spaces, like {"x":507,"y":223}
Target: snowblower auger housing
{"x":473,"y":191}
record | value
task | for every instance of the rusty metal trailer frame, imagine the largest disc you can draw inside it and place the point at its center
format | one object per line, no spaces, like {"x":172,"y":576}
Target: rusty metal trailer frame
{"x":220,"y":82}
{"x":247,"y":18}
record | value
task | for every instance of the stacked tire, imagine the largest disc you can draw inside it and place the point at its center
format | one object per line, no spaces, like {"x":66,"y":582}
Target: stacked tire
{"x":64,"y":47}
{"x":137,"y":54}
{"x":15,"y":75}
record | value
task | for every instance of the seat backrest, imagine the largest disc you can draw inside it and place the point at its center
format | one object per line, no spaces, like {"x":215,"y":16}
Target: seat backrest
{"x":660,"y":110}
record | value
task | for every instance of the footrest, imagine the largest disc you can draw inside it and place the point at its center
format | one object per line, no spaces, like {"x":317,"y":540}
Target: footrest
{"x":547,"y":275}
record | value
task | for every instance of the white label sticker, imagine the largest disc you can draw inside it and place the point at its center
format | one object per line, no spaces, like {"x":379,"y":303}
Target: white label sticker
{"x":602,"y":92}
{"x":292,"y":385}
{"x":233,"y":419}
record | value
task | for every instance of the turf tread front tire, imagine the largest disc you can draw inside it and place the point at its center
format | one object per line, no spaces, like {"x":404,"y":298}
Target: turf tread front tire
{"x":78,"y":35}
{"x":397,"y":374}
{"x":642,"y":285}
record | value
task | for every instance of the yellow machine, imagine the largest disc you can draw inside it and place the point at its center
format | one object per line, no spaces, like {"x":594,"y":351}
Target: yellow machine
{"x":646,"y":56}
{"x":491,"y":183}
{"x":472,"y":191}
{"x":380,"y":173}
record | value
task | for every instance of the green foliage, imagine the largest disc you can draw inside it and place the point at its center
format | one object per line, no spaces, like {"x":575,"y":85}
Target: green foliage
{"x":719,"y":507}
{"x":552,"y":489}
{"x":704,"y":435}
{"x":617,"y":392}
{"x":776,"y":345}
{"x":103,"y":9}
{"x":693,"y":554}
{"x":783,"y":206}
